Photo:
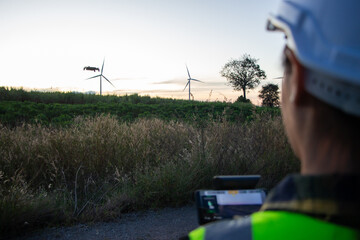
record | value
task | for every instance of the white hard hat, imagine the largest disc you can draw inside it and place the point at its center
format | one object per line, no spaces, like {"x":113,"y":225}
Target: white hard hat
{"x":325,"y":37}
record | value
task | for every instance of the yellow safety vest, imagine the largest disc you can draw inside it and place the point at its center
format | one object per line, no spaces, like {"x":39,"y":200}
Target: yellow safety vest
{"x":276,"y":225}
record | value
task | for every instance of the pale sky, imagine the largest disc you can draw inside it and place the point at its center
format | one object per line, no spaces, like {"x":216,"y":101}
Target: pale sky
{"x":145,"y":43}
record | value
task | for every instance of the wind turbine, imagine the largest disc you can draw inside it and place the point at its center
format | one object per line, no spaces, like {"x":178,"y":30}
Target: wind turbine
{"x":101,"y":75}
{"x":190,"y":79}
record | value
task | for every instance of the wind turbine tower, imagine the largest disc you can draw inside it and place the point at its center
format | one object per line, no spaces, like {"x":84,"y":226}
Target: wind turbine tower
{"x":101,"y":76}
{"x":189,"y":80}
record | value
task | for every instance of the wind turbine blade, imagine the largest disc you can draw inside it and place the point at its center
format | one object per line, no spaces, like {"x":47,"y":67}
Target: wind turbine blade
{"x":186,"y":85}
{"x":195,"y":80}
{"x":188,"y":71}
{"x":108,"y":81}
{"x":93,"y":77}
{"x":102,"y":68}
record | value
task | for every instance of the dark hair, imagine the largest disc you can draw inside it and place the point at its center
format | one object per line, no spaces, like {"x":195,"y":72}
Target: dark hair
{"x":286,"y":64}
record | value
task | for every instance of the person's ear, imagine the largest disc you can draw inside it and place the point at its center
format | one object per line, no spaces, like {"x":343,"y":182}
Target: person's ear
{"x":297,"y":79}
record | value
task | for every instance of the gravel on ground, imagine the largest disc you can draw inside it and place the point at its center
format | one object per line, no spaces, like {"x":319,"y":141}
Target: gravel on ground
{"x":168,"y":223}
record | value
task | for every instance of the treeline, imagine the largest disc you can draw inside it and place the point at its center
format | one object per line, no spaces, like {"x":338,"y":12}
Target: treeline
{"x":18,"y":106}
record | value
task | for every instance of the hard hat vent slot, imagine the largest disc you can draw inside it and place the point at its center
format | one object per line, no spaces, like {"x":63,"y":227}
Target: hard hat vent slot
{"x":330,"y":89}
{"x":338,"y":93}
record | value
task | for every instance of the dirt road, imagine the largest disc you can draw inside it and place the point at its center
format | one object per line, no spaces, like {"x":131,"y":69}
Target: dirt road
{"x":169,"y":223}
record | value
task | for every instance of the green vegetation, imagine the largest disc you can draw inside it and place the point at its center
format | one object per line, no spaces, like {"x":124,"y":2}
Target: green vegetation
{"x":60,"y":109}
{"x":19,"y":94}
{"x":101,"y":165}
{"x":270,"y":95}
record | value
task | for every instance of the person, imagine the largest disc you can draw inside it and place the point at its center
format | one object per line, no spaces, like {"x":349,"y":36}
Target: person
{"x":321,"y":114}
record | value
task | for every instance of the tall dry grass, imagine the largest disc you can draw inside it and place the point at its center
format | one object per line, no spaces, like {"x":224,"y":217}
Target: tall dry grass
{"x":98,"y":167}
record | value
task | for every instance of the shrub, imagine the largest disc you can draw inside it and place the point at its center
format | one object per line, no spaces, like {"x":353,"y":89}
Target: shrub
{"x":243,"y":100}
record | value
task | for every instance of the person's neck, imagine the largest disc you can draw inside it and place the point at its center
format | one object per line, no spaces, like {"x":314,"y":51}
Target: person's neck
{"x":327,"y":156}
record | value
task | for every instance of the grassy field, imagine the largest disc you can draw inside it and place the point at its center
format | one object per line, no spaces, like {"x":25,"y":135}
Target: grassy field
{"x":98,"y":167}
{"x":60,"y":109}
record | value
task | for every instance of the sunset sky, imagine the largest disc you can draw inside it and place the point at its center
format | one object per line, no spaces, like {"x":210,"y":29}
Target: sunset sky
{"x":45,"y":45}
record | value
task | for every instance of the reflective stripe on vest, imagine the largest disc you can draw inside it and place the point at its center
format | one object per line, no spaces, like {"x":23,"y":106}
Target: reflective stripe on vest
{"x":274,"y":225}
